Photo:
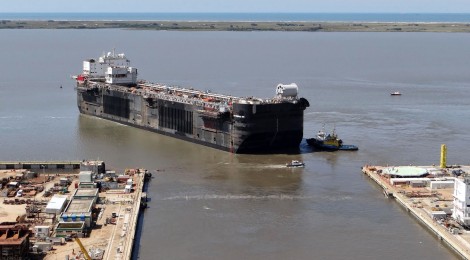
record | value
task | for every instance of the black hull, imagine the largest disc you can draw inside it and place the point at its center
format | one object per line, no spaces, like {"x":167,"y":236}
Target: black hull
{"x":181,"y":137}
{"x":249,"y":128}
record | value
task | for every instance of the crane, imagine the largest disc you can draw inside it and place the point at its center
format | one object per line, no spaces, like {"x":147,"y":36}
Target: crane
{"x":84,"y":251}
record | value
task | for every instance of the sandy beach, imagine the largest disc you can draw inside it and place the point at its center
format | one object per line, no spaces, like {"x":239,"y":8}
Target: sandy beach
{"x":240,"y":26}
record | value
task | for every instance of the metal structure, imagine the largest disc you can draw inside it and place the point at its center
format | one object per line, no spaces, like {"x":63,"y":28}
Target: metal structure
{"x":84,"y":251}
{"x":443,"y":156}
{"x":108,"y":88}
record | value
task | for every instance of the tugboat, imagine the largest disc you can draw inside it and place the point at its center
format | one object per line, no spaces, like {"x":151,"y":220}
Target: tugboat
{"x":329,"y":142}
{"x":295,"y":163}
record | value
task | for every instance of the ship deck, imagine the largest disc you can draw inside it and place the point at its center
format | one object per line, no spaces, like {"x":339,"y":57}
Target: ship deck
{"x":219,"y":102}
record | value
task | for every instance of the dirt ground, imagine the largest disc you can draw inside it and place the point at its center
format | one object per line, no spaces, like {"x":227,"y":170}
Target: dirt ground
{"x":9,"y":213}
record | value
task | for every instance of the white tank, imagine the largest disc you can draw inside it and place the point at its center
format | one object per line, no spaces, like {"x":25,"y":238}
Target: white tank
{"x":287,"y":90}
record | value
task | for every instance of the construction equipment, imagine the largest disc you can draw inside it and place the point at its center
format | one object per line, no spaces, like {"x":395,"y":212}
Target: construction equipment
{"x":84,"y":251}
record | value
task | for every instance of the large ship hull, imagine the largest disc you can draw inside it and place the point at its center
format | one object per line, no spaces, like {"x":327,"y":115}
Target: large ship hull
{"x":249,"y":127}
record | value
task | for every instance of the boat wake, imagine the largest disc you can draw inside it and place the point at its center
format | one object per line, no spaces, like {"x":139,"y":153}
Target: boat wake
{"x":58,"y":117}
{"x":261,"y":166}
{"x":256,"y":197}
{"x":11,"y":117}
{"x":276,"y":166}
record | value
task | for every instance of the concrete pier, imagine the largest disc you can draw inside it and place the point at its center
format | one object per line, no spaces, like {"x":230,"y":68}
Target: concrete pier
{"x":419,"y":204}
{"x":134,"y":217}
{"x":122,"y":238}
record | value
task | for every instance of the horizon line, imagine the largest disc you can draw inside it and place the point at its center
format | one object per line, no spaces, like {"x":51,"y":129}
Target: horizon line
{"x":228,"y":12}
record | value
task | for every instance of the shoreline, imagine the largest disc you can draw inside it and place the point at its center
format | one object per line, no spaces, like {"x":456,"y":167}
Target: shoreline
{"x":448,"y":27}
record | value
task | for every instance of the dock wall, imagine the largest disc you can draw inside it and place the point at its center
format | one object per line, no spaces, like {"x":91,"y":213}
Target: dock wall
{"x":134,"y":217}
{"x":34,"y":165}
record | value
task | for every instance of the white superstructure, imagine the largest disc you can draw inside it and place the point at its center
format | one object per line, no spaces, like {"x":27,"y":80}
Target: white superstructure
{"x":121,"y":75}
{"x":462,"y":201}
{"x":114,"y":68}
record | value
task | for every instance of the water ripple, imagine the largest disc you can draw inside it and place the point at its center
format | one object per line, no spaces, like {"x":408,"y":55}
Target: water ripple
{"x":256,"y":197}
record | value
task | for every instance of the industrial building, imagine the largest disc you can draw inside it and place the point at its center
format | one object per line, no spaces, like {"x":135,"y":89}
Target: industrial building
{"x":77,"y":218}
{"x":56,"y":205}
{"x":14,"y":241}
{"x":93,"y":166}
{"x":85,"y":194}
{"x":461,"y":211}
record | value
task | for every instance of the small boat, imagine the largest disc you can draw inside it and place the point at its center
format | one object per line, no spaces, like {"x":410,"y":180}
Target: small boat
{"x":329,"y":142}
{"x":295,"y":163}
{"x":396,"y":93}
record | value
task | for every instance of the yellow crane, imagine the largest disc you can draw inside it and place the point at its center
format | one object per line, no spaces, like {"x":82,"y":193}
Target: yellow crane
{"x":84,"y":251}
{"x":443,"y":156}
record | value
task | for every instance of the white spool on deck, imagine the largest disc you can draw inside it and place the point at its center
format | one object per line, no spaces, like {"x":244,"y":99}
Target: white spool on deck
{"x":287,"y":90}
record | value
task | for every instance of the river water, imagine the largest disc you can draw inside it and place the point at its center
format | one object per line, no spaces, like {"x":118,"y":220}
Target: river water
{"x":210,"y":204}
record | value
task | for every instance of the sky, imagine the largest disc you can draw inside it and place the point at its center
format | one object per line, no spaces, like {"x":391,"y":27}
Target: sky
{"x":307,"y":6}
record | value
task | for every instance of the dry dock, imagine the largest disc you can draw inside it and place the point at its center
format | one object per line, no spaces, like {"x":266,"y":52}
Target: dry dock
{"x":426,"y":192}
{"x":52,"y":209}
